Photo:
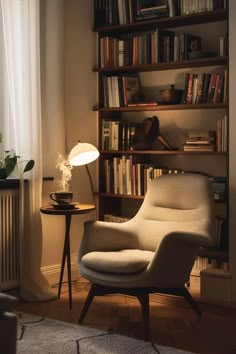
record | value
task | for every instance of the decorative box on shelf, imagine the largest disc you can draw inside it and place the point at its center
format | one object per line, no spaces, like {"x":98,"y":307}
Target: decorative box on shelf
{"x":215,"y":285}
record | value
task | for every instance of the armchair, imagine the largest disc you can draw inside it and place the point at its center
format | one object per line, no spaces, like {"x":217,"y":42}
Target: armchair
{"x":156,"y":249}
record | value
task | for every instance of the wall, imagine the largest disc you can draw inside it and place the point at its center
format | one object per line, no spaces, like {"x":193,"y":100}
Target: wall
{"x":52,"y":73}
{"x":80,"y":97}
{"x":68,"y":93}
{"x":53,"y":126}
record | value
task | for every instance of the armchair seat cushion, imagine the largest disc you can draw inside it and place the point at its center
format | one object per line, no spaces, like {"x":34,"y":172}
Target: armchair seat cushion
{"x":126,"y":261}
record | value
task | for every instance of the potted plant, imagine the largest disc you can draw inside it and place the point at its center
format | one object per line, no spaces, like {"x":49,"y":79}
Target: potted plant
{"x":9,"y":160}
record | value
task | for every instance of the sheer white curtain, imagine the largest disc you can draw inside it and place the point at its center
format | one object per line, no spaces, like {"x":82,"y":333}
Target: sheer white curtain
{"x":21,"y":125}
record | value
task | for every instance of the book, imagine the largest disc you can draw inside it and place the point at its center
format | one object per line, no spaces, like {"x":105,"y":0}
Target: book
{"x":105,"y":134}
{"x":192,"y":43}
{"x":142,"y":104}
{"x":121,"y":53}
{"x":173,"y":8}
{"x":132,"y":89}
{"x":166,"y":45}
{"x":113,"y":135}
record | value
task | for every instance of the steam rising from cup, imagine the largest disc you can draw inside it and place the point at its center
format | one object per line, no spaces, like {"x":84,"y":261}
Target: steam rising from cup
{"x":65,"y":167}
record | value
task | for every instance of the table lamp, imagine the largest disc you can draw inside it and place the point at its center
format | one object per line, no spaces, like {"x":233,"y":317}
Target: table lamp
{"x":82,"y":154}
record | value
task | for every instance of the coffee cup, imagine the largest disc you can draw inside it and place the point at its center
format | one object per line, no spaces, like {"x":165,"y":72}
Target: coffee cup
{"x":61,"y":197}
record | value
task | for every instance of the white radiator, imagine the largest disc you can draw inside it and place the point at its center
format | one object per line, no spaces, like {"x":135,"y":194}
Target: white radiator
{"x":9,"y":238}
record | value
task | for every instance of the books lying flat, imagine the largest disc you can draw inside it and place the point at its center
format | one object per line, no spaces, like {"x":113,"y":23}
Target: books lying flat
{"x":142,"y":104}
{"x":199,"y":147}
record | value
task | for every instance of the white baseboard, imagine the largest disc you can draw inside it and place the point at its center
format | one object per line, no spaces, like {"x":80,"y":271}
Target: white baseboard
{"x":52,"y":272}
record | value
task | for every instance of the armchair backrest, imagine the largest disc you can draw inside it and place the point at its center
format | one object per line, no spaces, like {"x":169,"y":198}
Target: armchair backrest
{"x":176,"y":203}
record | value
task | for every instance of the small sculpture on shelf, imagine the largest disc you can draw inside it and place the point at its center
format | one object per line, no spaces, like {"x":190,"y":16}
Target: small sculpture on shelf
{"x":146,"y":133}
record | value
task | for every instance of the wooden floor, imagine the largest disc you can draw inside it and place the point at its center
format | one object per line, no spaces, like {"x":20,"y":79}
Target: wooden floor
{"x":172,"y":321}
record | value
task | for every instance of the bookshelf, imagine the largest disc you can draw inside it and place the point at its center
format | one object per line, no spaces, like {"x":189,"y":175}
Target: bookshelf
{"x":176,"y":120}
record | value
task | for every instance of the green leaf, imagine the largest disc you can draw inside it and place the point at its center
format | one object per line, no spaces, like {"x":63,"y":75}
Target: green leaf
{"x":0,"y":137}
{"x":10,"y":164}
{"x":29,"y":166}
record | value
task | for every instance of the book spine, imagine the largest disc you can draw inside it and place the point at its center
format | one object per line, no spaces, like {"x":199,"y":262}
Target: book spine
{"x":190,"y":89}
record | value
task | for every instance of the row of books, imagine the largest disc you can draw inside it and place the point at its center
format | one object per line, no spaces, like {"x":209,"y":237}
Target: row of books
{"x":115,"y":218}
{"x":120,"y":12}
{"x":196,"y":6}
{"x":125,"y":90}
{"x":124,"y":176}
{"x":147,"y":48}
{"x":205,"y":88}
{"x":200,"y":264}
{"x":208,"y":140}
{"x":119,"y":91}
{"x":118,"y":135}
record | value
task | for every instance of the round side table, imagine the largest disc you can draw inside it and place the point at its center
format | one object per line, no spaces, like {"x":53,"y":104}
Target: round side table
{"x":77,"y":210}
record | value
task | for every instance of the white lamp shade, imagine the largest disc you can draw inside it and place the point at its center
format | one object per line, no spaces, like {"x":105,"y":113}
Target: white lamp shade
{"x":82,"y":154}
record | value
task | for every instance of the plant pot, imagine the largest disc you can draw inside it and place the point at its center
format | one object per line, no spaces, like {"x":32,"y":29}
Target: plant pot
{"x":3,"y":173}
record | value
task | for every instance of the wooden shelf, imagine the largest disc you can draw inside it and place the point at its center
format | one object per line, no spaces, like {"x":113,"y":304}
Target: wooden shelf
{"x":161,"y":152}
{"x":161,"y":107}
{"x":167,"y":22}
{"x":181,"y":64}
{"x":113,"y":195}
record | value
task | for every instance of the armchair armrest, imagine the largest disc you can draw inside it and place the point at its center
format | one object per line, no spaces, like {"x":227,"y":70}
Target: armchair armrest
{"x":107,"y":236}
{"x":195,"y":238}
{"x":175,"y":256}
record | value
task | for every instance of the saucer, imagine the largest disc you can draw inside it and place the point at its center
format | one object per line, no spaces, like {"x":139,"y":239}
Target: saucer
{"x":64,"y":206}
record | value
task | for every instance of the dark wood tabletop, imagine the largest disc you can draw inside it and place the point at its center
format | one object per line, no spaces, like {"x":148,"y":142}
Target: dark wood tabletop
{"x":77,"y":209}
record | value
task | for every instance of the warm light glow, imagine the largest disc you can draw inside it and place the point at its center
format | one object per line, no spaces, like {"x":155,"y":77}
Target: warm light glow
{"x":82,"y":154}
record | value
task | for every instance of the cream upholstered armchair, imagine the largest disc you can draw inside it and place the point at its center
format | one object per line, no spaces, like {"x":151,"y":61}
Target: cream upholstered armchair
{"x":156,"y":249}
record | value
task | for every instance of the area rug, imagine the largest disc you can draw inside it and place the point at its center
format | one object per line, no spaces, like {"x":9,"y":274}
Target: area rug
{"x":40,"y":335}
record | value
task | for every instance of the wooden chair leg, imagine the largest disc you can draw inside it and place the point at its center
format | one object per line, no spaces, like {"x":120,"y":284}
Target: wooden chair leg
{"x":191,"y":301}
{"x":87,"y":303}
{"x":144,"y":302}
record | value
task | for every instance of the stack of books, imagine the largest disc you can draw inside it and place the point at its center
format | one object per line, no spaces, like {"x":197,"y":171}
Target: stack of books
{"x":151,"y":9}
{"x":200,"y":141}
